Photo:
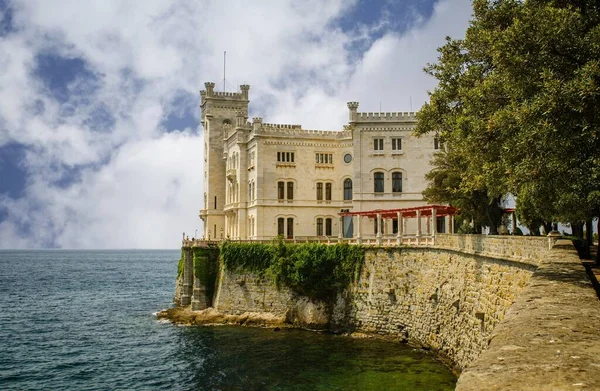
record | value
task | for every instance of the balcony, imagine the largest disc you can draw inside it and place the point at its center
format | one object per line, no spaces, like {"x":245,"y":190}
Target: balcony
{"x":231,"y":174}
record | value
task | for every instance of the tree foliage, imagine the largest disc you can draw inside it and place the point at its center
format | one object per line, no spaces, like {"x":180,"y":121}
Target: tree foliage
{"x":518,"y":107}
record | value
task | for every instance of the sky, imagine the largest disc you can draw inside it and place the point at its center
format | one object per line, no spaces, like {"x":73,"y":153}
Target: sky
{"x":100,"y":138}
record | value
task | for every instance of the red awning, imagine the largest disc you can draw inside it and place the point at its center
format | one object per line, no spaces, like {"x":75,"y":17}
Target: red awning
{"x":440,"y":211}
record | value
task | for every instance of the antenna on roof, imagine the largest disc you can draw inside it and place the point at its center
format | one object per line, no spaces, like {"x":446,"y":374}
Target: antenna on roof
{"x":224,"y":65}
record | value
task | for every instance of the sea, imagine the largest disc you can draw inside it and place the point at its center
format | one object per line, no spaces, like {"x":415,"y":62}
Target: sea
{"x":86,"y":320}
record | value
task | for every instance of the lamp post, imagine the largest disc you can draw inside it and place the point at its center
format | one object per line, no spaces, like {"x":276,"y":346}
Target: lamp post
{"x":195,"y":234}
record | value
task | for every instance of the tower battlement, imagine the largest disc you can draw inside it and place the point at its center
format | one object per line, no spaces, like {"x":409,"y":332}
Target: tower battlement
{"x":209,"y":92}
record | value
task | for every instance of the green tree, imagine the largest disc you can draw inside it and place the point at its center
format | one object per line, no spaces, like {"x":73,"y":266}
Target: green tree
{"x":519,"y":99}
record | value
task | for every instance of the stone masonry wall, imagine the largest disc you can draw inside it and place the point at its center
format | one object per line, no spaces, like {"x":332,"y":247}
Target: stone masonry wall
{"x":239,"y":293}
{"x":448,"y":301}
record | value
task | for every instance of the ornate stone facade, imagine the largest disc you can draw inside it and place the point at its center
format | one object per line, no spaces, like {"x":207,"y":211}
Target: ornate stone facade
{"x":261,"y":180}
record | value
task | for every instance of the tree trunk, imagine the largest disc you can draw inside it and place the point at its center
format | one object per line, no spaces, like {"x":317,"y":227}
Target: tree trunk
{"x":547,"y":227}
{"x":577,"y":229}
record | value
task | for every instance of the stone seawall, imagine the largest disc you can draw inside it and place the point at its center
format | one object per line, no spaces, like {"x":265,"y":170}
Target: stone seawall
{"x":446,"y":301}
{"x":528,"y":307}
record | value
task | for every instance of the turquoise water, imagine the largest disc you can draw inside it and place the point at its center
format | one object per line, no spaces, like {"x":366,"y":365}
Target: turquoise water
{"x":83,"y":320}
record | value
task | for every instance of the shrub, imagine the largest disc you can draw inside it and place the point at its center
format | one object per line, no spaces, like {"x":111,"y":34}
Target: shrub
{"x":318,"y":271}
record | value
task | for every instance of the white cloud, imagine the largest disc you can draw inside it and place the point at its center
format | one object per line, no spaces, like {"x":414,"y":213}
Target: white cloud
{"x":139,"y":187}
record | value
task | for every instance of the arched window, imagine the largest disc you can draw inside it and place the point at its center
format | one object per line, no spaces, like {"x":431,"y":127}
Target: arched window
{"x":328,"y":191}
{"x":378,"y":182}
{"x":328,"y":224}
{"x":397,"y":182}
{"x":348,"y":189}
{"x":319,"y":226}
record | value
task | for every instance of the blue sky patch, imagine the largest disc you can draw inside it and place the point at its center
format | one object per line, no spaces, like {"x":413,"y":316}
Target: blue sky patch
{"x":398,"y":17}
{"x":66,"y":78}
{"x":182,"y":113}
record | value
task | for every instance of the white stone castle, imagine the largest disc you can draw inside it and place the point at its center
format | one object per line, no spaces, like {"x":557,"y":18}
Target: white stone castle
{"x":262,"y":180}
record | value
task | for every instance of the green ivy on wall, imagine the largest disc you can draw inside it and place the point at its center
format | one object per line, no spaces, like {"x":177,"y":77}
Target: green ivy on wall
{"x":206,"y":266}
{"x":315,"y":270}
{"x":180,"y":265}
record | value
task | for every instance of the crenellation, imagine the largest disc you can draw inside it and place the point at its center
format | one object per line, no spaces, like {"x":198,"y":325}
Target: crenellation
{"x":391,"y":116}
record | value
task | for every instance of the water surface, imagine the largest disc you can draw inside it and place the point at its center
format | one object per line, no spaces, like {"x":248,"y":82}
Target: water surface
{"x":83,"y":320}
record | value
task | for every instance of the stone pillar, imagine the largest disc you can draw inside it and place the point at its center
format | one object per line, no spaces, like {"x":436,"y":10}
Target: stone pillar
{"x":400,"y":229}
{"x":358,"y":237}
{"x":188,"y":276}
{"x":433,"y":224}
{"x":340,"y":228}
{"x":379,"y":227}
{"x":418,"y":235}
{"x":513,"y":216}
{"x":428,"y":225}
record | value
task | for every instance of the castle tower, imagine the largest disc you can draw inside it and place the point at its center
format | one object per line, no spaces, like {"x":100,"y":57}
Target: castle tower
{"x":220,"y":112}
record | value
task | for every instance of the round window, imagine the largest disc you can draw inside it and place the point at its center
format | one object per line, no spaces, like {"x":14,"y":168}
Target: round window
{"x":347,"y":158}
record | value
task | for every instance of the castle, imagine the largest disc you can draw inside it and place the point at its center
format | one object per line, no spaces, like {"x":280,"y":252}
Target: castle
{"x":262,"y":180}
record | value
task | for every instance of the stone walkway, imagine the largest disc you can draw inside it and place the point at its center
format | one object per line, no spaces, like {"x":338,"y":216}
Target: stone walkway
{"x":550,"y":338}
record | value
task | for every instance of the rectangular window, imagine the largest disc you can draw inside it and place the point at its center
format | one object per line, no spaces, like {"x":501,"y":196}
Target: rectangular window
{"x":328,"y":224}
{"x":348,"y":189}
{"x":319,"y":227}
{"x":378,"y":182}
{"x":319,"y":191}
{"x":290,"y":190}
{"x":290,"y":228}
{"x":324,"y":158}
{"x":215,"y":202}
{"x":436,"y":143}
{"x":280,"y":223}
{"x":285,"y":157}
{"x":328,"y":191}
{"x":378,"y":144}
{"x":280,"y":190}
{"x":396,"y":144}
{"x":397,"y":182}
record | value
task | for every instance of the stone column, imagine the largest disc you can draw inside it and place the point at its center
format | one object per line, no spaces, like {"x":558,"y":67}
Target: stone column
{"x":433,"y":224}
{"x":379,"y":229}
{"x":340,"y":228}
{"x":514,"y":223}
{"x":418,"y":235}
{"x":400,"y":229}
{"x":358,"y":237}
